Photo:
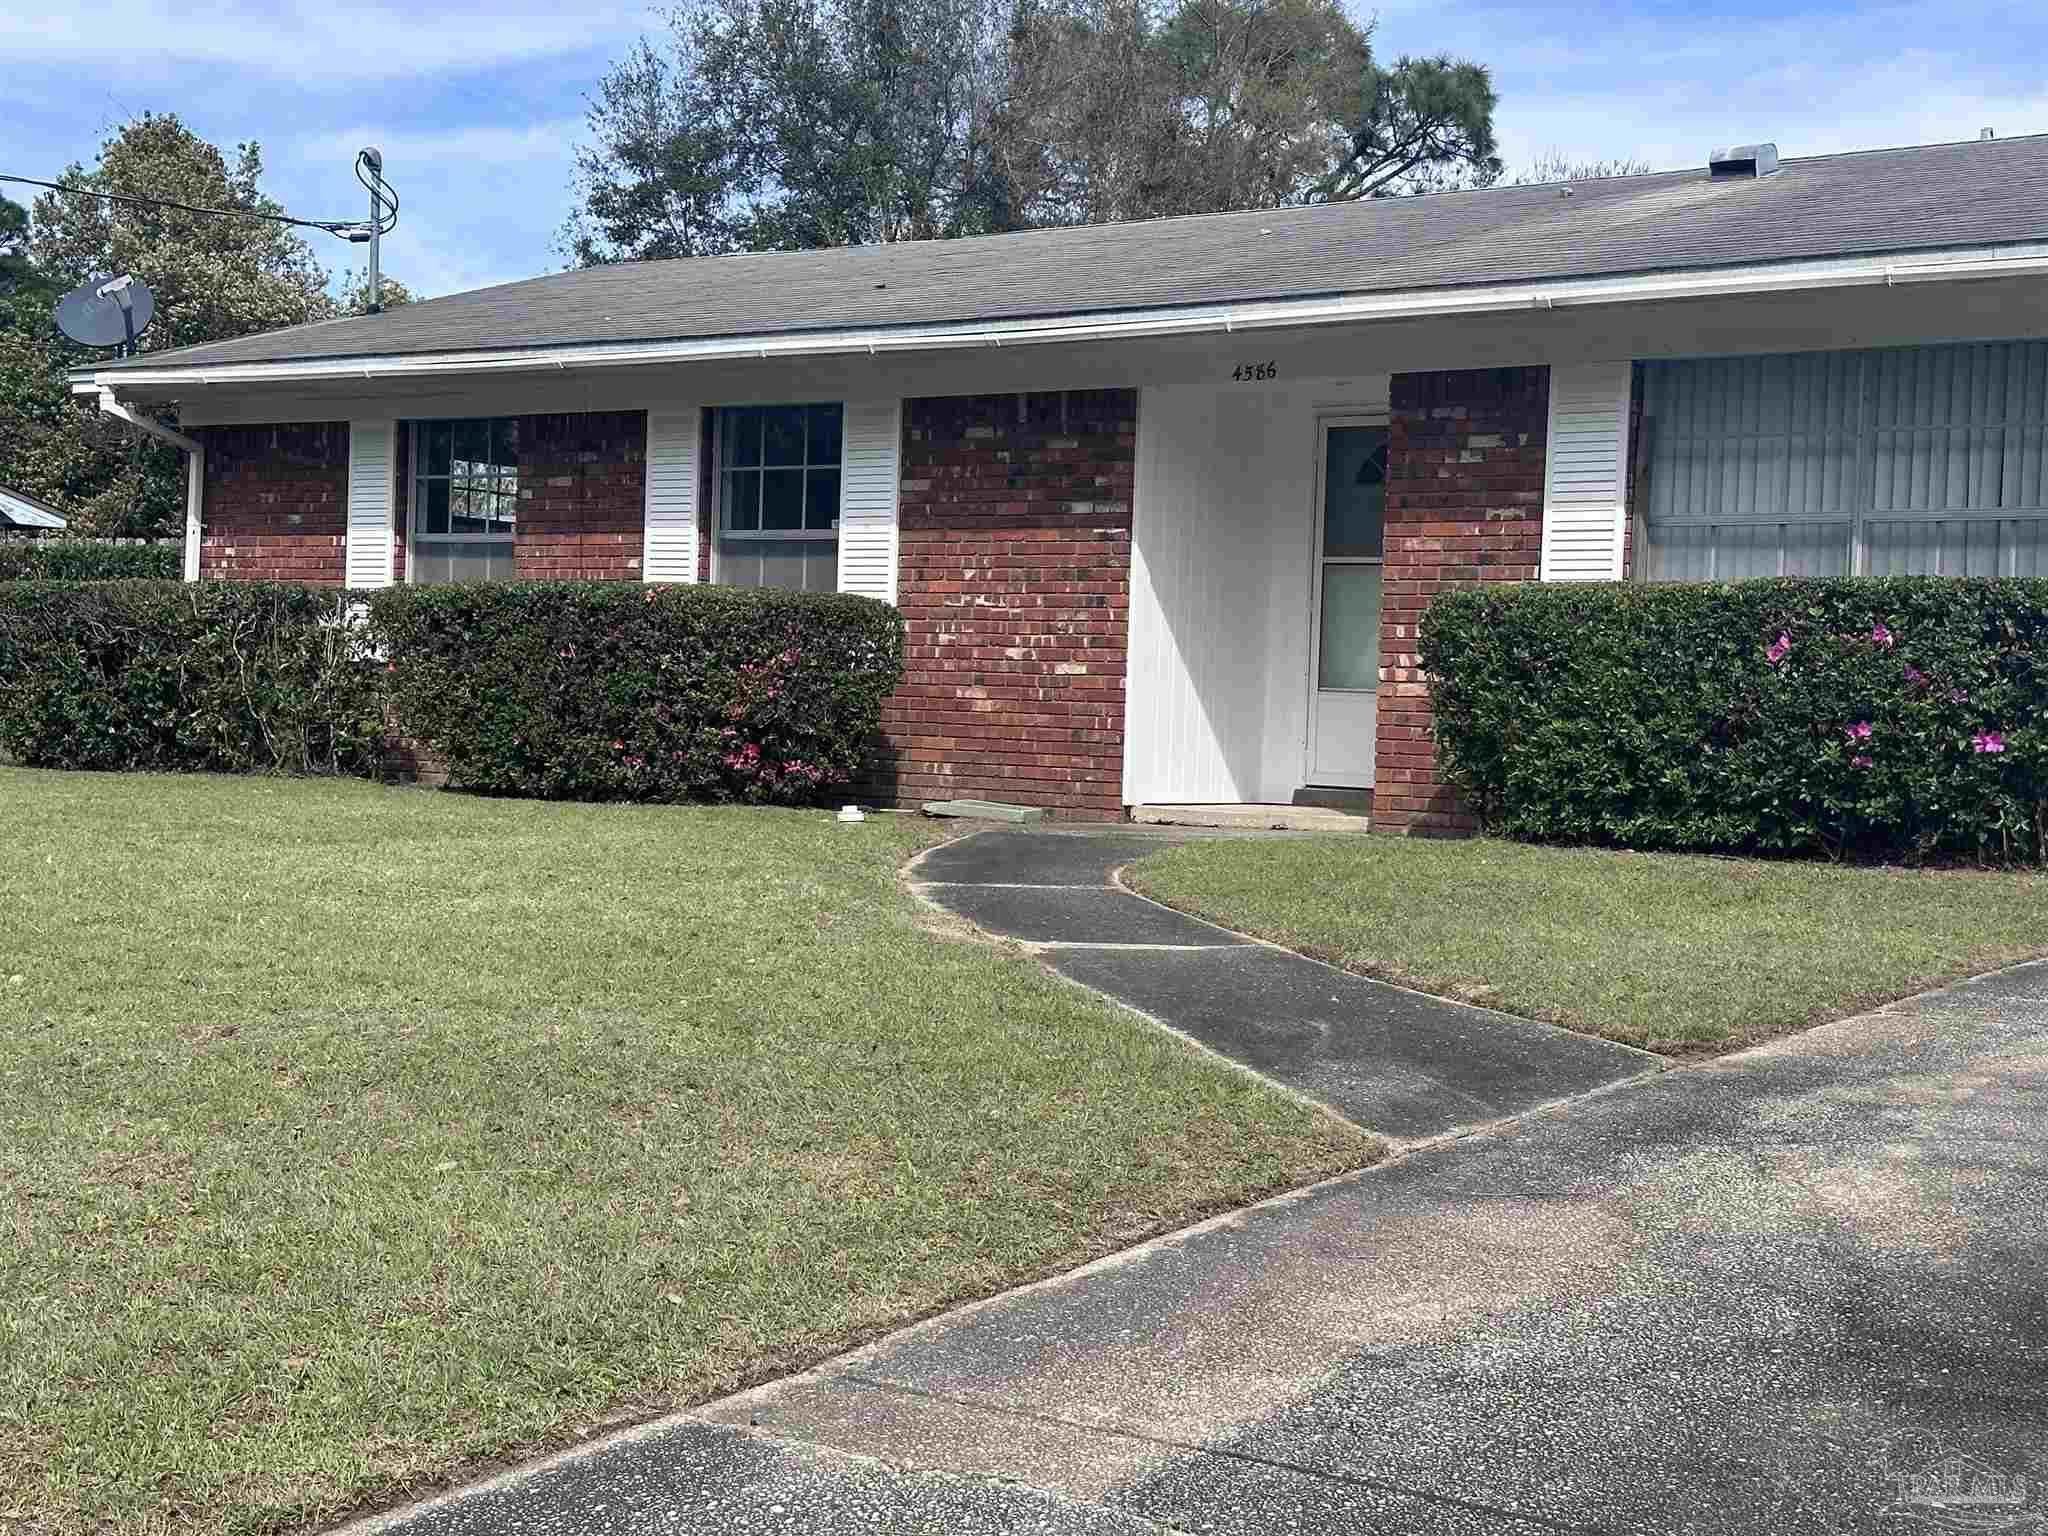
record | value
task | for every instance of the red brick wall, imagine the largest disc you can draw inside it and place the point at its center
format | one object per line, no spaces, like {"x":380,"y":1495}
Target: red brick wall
{"x":275,"y":507}
{"x":276,"y":500}
{"x":582,"y":496}
{"x":1014,"y":583}
{"x":1464,"y":505}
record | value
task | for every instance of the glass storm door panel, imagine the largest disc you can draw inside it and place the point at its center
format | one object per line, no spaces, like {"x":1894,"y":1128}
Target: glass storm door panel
{"x":1350,"y":546}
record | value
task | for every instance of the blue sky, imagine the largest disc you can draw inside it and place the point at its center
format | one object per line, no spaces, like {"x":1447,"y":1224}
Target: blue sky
{"x":478,"y":112}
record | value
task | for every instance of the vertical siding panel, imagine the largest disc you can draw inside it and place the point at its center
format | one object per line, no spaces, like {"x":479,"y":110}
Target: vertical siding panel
{"x":1196,"y":710}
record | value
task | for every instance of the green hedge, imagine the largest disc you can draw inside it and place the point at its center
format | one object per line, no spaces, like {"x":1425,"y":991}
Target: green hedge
{"x":213,"y":677}
{"x":1875,"y":718}
{"x":608,"y":691}
{"x":84,"y":560}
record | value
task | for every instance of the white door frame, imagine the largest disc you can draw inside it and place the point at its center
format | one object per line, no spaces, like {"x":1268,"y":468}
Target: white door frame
{"x":1325,"y":420}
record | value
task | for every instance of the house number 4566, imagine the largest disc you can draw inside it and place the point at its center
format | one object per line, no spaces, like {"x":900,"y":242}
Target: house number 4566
{"x":1255,"y":373}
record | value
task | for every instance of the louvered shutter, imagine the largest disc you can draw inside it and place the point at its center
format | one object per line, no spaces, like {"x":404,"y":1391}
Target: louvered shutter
{"x":372,"y":486}
{"x":669,"y":549}
{"x":867,"y":498}
{"x":1585,"y":472}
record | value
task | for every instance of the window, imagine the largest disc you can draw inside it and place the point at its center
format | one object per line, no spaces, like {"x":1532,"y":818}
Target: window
{"x":1905,"y":461}
{"x":465,"y":499}
{"x":778,"y":496}
{"x":1354,"y":534}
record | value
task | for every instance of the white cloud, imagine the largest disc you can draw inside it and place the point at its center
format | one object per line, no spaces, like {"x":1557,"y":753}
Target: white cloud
{"x":314,"y":47}
{"x":1668,"y":88}
{"x":479,"y":204}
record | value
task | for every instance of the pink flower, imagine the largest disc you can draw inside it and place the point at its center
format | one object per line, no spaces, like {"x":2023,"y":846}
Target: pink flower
{"x":1860,"y":731}
{"x":1987,"y":741}
{"x":1958,"y":696}
{"x":1778,"y":648}
{"x":1862,"y":762}
{"x":1880,"y":636}
{"x":1915,"y":676}
{"x":618,"y":746}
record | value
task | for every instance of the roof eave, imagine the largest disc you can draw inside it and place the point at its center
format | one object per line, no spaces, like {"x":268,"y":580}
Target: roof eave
{"x":1948,"y":264}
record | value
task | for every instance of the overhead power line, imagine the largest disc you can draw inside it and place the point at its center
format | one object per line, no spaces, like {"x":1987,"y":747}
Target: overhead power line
{"x":340,"y":227}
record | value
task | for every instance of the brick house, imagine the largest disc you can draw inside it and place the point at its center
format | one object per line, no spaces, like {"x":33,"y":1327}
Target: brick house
{"x":1162,"y":503}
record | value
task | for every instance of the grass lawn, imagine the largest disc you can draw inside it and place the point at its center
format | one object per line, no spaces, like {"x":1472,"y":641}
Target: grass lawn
{"x":348,"y":1135}
{"x":1681,"y":955}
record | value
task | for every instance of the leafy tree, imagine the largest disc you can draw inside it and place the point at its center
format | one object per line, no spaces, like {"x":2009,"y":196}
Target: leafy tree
{"x":1554,"y":165}
{"x":1120,"y":113}
{"x":355,"y":291}
{"x":782,"y":124}
{"x":1427,"y":127}
{"x":213,"y":278}
{"x":19,"y":277}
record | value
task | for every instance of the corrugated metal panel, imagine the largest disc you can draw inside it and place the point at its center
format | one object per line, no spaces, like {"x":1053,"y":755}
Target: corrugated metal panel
{"x":669,"y":547}
{"x":1900,"y":461}
{"x":868,"y":485}
{"x":372,"y":482}
{"x":1585,"y":472}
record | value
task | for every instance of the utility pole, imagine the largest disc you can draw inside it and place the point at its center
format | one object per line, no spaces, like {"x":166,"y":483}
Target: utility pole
{"x":375,"y":158}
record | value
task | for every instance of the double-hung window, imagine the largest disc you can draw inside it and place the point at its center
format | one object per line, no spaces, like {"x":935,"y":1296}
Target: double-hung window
{"x":778,"y":495}
{"x":465,"y":499}
{"x":1924,"y":461}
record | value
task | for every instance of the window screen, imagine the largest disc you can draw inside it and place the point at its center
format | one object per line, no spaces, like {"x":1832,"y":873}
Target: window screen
{"x":1904,"y":461}
{"x":778,"y":495}
{"x":465,"y":499}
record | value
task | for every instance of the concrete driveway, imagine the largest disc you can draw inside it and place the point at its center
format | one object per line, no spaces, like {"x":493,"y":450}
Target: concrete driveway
{"x":1799,"y":1289}
{"x":1409,"y":1066}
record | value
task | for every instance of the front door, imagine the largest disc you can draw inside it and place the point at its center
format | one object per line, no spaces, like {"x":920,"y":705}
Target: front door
{"x":1351,"y":504}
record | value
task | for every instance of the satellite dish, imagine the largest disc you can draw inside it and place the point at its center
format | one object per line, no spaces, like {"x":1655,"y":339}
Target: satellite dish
{"x":106,"y":312}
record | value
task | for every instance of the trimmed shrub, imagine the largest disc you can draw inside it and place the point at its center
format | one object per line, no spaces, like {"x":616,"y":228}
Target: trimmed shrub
{"x":87,"y":560}
{"x":610,"y":691}
{"x":219,"y":677}
{"x":1868,"y":718}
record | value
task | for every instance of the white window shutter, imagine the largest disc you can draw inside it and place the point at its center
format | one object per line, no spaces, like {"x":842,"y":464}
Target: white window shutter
{"x":1585,"y":472}
{"x":372,"y":495}
{"x":867,"y":498}
{"x":669,"y":550}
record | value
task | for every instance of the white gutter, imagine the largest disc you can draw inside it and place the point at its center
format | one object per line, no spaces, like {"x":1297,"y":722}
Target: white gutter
{"x":112,"y":407}
{"x":2030,"y":260}
{"x":195,"y":470}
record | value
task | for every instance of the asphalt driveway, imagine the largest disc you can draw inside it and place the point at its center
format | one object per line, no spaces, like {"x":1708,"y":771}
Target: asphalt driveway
{"x":1799,"y":1289}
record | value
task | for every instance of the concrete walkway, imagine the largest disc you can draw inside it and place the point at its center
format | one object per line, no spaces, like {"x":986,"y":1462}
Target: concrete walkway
{"x":1784,"y":1292}
{"x":1408,"y":1066}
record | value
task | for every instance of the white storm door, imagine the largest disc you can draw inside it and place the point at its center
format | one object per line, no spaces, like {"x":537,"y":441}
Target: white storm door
{"x":1344,"y":660}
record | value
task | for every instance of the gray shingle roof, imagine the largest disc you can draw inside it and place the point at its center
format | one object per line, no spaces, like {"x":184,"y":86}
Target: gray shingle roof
{"x":1979,"y":193}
